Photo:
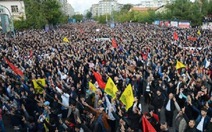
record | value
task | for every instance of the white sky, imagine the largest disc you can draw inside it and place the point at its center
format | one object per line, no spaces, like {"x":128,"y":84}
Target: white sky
{"x":82,"y":5}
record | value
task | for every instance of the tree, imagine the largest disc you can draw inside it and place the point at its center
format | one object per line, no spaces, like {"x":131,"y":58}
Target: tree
{"x":41,"y":12}
{"x":78,"y":17}
{"x":88,"y":15}
{"x":52,"y":12}
{"x":179,"y":9}
{"x":126,"y":8}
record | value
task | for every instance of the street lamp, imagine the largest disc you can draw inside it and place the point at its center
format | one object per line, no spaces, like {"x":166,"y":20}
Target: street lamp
{"x":112,"y":25}
{"x":11,"y":24}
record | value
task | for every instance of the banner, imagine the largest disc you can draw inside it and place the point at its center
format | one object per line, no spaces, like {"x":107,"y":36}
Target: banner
{"x":39,"y":84}
{"x":127,"y":97}
{"x":92,"y":87}
{"x":167,"y":23}
{"x":99,"y":80}
{"x":184,"y":25}
{"x":65,"y":39}
{"x":191,"y":38}
{"x":161,"y":23}
{"x":15,"y":69}
{"x":198,"y":32}
{"x":114,"y":43}
{"x":147,"y":126}
{"x":179,"y":65}
{"x":175,"y":36}
{"x":156,"y":22}
{"x":174,"y":24}
{"x":111,"y":88}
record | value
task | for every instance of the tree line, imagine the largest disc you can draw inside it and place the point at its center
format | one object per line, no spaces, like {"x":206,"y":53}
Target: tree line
{"x":195,"y":12}
{"x":41,"y":12}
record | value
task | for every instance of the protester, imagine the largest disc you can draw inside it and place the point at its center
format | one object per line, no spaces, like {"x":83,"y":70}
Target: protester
{"x":57,"y":80}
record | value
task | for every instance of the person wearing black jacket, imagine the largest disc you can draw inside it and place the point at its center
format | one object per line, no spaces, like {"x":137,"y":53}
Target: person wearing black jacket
{"x":169,"y":109}
{"x":157,"y":102}
{"x":190,"y":123}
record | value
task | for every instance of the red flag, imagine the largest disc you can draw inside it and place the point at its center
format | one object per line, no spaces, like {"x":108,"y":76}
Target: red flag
{"x":156,"y":117}
{"x":99,"y":80}
{"x":191,"y":38}
{"x":114,"y":44}
{"x":14,"y":68}
{"x":175,"y":36}
{"x":147,"y":126}
{"x":30,"y":54}
{"x":144,"y":56}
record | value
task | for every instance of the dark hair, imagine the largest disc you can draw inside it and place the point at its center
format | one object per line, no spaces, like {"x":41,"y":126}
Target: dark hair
{"x":151,"y":108}
{"x":204,"y":109}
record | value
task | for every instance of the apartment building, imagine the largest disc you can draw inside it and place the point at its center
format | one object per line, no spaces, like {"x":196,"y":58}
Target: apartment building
{"x":105,"y":7}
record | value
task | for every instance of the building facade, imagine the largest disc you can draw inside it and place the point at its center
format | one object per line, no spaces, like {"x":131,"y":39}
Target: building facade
{"x":154,"y":3}
{"x":70,"y":10}
{"x":105,"y":7}
{"x":63,"y":4}
{"x":15,"y":9}
{"x":94,"y":9}
{"x":66,"y":8}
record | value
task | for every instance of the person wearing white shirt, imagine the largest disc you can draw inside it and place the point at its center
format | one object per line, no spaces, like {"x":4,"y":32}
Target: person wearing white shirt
{"x":65,"y":104}
{"x":202,"y":120}
{"x":169,"y":110}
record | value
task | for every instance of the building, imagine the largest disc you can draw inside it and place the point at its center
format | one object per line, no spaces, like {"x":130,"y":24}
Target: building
{"x":15,"y":9}
{"x":154,"y":3}
{"x":63,"y":4}
{"x":105,"y":7}
{"x":70,"y":10}
{"x":66,"y":8}
{"x":94,"y":9}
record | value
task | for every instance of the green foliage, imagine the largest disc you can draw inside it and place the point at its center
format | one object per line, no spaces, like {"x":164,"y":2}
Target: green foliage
{"x":103,"y":19}
{"x":178,"y":10}
{"x":88,"y":15}
{"x":78,"y":17}
{"x":126,"y":8}
{"x":186,"y":10}
{"x":20,"y":24}
{"x":41,"y":12}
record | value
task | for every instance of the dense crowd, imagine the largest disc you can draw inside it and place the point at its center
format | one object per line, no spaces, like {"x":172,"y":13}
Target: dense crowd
{"x":146,"y":58}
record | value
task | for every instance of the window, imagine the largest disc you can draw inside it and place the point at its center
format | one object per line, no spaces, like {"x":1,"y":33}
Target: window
{"x":14,"y":8}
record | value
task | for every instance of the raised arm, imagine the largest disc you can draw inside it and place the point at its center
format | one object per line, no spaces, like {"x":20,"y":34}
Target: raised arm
{"x":91,"y":108}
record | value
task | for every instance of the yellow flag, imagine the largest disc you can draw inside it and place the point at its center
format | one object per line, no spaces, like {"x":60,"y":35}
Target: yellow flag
{"x":127,"y":97}
{"x":65,"y":39}
{"x":198,"y":32}
{"x":180,"y":65}
{"x":110,"y":88}
{"x":45,"y":126}
{"x":37,"y":87}
{"x":91,"y":87}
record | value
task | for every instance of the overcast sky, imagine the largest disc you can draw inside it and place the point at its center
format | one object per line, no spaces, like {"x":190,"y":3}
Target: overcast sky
{"x":82,"y":5}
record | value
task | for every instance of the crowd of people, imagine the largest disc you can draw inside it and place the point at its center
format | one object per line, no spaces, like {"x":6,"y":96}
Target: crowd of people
{"x":146,"y":58}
